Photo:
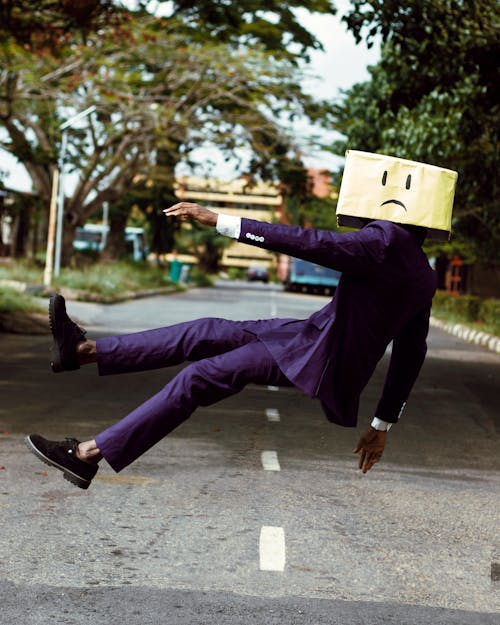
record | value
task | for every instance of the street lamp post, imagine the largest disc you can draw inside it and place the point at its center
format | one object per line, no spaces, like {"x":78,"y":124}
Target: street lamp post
{"x":54,"y":260}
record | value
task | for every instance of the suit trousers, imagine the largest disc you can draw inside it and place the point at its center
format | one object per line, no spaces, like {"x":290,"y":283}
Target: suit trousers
{"x":227,"y":356}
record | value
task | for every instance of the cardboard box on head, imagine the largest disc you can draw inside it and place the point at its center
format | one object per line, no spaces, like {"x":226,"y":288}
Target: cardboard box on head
{"x":375,"y":186}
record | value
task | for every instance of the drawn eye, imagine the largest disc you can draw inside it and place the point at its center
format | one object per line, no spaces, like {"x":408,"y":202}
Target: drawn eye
{"x":384,"y":178}
{"x":408,"y":181}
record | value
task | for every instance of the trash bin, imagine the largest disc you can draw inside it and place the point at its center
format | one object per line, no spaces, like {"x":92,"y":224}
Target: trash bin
{"x":175,"y":270}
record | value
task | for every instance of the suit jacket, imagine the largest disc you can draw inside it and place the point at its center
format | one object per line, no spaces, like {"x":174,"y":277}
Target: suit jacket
{"x":384,"y":294}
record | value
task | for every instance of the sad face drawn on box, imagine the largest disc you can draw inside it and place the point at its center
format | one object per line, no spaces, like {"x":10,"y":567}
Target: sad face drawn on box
{"x":397,"y":202}
{"x":376,"y":186}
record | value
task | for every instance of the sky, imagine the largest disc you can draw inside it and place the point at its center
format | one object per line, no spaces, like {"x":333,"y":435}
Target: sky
{"x":340,"y":65}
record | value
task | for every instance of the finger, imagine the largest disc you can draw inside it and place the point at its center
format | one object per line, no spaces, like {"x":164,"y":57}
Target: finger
{"x":371,"y":461}
{"x":173,"y":212}
{"x":361,"y":459}
{"x":172,"y":208}
{"x":364,"y":465}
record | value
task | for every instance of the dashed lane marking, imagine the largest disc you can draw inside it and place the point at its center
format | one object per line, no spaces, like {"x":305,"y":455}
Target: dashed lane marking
{"x":270,"y":461}
{"x":274,"y":308}
{"x":272,"y":414}
{"x":272,"y":548}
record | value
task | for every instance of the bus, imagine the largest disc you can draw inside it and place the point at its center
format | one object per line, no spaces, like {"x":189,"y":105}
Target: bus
{"x":93,"y":237}
{"x":308,"y":277}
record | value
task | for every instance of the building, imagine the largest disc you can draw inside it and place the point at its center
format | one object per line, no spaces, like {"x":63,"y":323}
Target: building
{"x":241,"y":197}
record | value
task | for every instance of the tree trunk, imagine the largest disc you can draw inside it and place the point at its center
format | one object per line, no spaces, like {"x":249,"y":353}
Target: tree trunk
{"x":116,"y":247}
{"x":209,"y":260}
{"x":67,"y":249}
{"x":21,"y":232}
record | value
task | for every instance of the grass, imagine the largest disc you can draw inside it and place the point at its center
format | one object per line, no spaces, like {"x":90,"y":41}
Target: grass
{"x":468,"y":310}
{"x":13,"y":301}
{"x":100,"y":280}
{"x":22,"y":271}
{"x":104,"y":279}
{"x":114,"y":278}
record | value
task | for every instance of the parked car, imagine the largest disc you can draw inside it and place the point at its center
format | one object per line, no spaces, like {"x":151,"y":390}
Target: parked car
{"x":258,"y":273}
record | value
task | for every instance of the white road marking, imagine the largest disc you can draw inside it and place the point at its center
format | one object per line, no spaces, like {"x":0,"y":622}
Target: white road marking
{"x":270,"y":461}
{"x":272,"y":414}
{"x":272,"y":548}
{"x":274,"y":308}
{"x":273,"y":388}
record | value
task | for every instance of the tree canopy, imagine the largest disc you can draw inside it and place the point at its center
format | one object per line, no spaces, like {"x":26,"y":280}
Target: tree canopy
{"x":272,"y":25}
{"x":434,"y":97}
{"x":49,"y":24}
{"x":160,"y":90}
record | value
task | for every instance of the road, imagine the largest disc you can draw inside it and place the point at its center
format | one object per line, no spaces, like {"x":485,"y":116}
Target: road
{"x":180,"y":536}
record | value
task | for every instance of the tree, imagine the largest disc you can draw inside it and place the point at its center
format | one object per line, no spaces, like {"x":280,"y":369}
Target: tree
{"x":157,"y":99}
{"x":149,"y":102}
{"x":434,"y":97}
{"x":205,"y":244}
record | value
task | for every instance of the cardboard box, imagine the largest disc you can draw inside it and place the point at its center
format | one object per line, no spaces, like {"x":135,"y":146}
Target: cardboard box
{"x":375,"y":186}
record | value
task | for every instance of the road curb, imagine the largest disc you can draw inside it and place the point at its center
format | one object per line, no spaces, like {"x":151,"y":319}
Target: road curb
{"x":478,"y":337}
{"x":87,"y":296}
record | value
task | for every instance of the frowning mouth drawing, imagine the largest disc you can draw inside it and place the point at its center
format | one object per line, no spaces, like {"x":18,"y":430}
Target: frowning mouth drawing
{"x":393,"y":202}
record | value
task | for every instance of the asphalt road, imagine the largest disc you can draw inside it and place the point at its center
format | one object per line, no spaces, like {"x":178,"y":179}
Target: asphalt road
{"x":180,"y":536}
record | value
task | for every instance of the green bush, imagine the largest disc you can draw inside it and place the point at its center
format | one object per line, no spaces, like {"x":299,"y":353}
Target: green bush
{"x":109,"y":279}
{"x":489,"y":314}
{"x":198,"y":278}
{"x":13,"y":301}
{"x":23,"y":271}
{"x":237,"y":273}
{"x":456,"y":307}
{"x":468,"y":309}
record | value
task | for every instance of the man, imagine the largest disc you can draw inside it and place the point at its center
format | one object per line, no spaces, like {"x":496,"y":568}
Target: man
{"x":384,"y":295}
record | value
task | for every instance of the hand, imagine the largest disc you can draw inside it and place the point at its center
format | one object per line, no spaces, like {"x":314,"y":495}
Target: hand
{"x":189,"y":210}
{"x":370,"y":448}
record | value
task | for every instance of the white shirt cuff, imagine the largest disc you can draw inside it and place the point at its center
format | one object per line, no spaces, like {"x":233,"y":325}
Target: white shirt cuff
{"x":382,"y":426}
{"x":229,"y":226}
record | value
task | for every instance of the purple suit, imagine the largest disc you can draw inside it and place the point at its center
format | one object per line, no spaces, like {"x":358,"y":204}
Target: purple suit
{"x":384,"y":295}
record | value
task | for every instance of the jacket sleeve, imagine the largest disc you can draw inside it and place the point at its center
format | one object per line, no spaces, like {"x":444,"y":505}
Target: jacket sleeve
{"x":408,"y":354}
{"x":354,"y":251}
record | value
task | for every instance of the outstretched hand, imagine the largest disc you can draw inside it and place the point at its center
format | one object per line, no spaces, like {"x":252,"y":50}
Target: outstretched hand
{"x":370,"y":448}
{"x":189,"y":210}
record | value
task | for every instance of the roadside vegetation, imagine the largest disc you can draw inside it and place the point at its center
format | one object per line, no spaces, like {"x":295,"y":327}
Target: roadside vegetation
{"x":469,"y":310}
{"x":14,"y":301}
{"x":103,"y":281}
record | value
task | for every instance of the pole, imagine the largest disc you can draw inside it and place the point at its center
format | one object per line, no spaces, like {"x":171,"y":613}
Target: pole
{"x":60,"y":206}
{"x":49,"y":257}
{"x":105,"y":213}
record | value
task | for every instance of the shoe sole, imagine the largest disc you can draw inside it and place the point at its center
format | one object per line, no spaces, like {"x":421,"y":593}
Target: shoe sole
{"x":56,"y":355}
{"x":67,"y":474}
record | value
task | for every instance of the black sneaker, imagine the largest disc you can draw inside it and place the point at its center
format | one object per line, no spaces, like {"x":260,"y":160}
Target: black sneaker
{"x":62,"y":456}
{"x":66,"y":336}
